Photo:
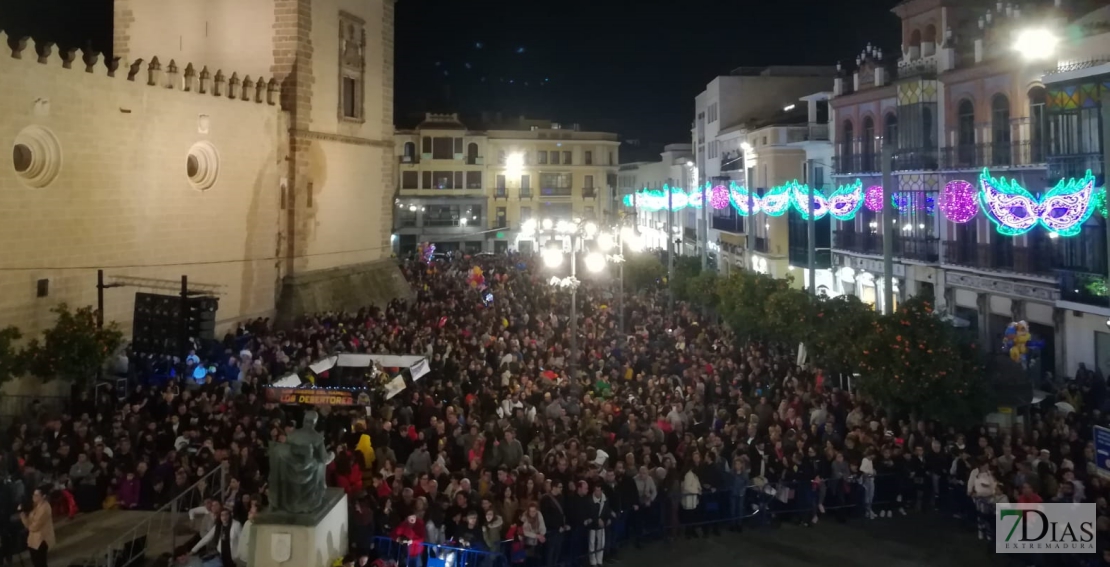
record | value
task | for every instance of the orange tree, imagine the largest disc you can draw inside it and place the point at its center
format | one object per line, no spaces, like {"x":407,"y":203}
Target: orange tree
{"x":913,"y":362}
{"x":73,"y":349}
{"x":840,"y":325}
{"x":759,"y":307}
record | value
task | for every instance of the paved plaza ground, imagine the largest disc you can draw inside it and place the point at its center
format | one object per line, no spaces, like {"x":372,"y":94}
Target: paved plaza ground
{"x":915,"y":541}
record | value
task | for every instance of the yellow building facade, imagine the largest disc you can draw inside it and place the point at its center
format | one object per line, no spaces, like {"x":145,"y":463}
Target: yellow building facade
{"x":468,"y":189}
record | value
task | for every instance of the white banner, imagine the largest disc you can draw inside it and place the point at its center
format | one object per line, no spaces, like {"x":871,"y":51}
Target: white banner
{"x":355,"y":360}
{"x":419,"y":369}
{"x":394,"y":387}
{"x":324,"y":365}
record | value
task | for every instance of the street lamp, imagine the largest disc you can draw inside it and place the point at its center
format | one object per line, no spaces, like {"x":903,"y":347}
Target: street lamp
{"x":1036,"y":44}
{"x":579,"y":232}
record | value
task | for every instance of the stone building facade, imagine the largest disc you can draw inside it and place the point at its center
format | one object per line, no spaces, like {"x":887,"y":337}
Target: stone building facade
{"x":247,"y":145}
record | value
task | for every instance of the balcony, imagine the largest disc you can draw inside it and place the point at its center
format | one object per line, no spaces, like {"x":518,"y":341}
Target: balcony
{"x":914,"y":159}
{"x":500,"y":193}
{"x":589,"y":193}
{"x":1067,"y":166}
{"x":922,"y":249}
{"x":856,"y":163}
{"x":1001,"y":154}
{"x":525,"y":192}
{"x":733,"y":224}
{"x":818,"y":132}
{"x":799,"y":257}
{"x":858,"y":242}
{"x":412,"y":160}
{"x":556,"y":191}
{"x":921,"y":68}
{"x":475,"y":160}
{"x":961,"y":253}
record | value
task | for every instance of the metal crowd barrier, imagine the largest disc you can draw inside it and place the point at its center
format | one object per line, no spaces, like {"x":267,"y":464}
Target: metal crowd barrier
{"x":672,"y":516}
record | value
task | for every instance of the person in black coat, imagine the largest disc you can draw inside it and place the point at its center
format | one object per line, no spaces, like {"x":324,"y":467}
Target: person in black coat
{"x":555,"y":519}
{"x":599,"y":516}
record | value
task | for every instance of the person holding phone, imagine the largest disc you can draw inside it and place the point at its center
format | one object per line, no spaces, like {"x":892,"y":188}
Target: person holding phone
{"x":39,"y":522}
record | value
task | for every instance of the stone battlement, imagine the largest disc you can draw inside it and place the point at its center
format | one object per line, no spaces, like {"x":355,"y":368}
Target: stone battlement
{"x":153,"y":73}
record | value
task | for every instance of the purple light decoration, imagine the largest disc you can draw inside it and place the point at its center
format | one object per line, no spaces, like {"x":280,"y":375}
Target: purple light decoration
{"x":718,"y":197}
{"x":959,"y":202}
{"x":873,"y":199}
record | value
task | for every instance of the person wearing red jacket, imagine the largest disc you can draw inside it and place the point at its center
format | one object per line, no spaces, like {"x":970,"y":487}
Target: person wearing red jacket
{"x":411,"y":532}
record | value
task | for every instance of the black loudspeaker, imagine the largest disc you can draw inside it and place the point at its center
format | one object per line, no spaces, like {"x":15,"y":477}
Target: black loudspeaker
{"x":157,"y":324}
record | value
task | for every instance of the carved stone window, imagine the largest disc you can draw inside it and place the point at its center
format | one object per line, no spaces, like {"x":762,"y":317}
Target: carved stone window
{"x":352,"y":67}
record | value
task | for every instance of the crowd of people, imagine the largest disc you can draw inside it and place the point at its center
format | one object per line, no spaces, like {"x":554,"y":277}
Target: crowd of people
{"x":508,"y":446}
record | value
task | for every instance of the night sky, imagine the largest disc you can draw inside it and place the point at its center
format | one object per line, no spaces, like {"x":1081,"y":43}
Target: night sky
{"x":627,"y":66}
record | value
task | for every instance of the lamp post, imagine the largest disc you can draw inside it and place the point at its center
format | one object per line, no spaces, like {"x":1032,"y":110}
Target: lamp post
{"x":579,"y":232}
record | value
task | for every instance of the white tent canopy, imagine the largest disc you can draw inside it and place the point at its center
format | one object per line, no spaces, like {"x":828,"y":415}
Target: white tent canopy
{"x":417,"y":365}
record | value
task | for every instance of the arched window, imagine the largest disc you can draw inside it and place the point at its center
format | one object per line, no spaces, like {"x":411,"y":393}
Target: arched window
{"x":1000,"y":130}
{"x":846,"y":148}
{"x":965,"y":134}
{"x":410,"y":150}
{"x":472,"y":153}
{"x":1037,"y":124}
{"x":915,"y":38}
{"x":867,"y":144}
{"x":929,"y":40}
{"x":890,"y":130}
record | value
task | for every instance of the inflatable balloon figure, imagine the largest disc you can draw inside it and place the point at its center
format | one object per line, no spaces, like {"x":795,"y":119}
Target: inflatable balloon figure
{"x":476,"y":278}
{"x":1015,"y":340}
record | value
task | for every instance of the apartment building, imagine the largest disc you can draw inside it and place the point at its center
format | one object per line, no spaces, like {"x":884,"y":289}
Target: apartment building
{"x":469,"y":189}
{"x":971,"y":122}
{"x":674,"y":169}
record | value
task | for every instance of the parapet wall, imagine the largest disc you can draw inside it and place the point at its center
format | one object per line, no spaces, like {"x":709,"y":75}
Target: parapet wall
{"x":145,"y":169}
{"x":151,"y":73}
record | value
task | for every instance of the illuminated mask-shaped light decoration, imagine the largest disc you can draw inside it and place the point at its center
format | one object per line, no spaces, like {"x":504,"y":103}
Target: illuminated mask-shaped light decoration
{"x":695,"y":198}
{"x":873,"y":199}
{"x":718,"y":197}
{"x":776,"y":201}
{"x":799,"y":195}
{"x":740,"y":198}
{"x":1014,"y":211}
{"x":959,"y":202}
{"x":846,"y":201}
{"x":679,"y":199}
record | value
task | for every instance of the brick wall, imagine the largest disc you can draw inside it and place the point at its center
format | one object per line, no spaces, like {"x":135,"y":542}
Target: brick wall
{"x":122,"y":200}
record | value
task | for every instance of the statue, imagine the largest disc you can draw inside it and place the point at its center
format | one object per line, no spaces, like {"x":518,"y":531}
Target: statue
{"x":297,"y":470}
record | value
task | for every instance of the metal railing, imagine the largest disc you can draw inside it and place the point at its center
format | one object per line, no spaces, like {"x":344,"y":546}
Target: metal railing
{"x":1074,"y":165}
{"x":858,"y":242}
{"x":753,"y":503}
{"x":159,"y":532}
{"x":994,"y":154}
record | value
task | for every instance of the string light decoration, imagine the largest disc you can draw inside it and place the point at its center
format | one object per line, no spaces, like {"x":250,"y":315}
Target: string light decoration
{"x":845,"y":202}
{"x":799,"y":197}
{"x":910,"y":201}
{"x":740,"y":197}
{"x":776,"y":201}
{"x":873,"y":199}
{"x":1015,"y":211}
{"x":718,"y":197}
{"x":695,"y":198}
{"x":959,"y":201}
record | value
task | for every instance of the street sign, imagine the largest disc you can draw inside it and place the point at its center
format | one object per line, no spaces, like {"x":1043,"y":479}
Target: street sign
{"x":1102,"y":450}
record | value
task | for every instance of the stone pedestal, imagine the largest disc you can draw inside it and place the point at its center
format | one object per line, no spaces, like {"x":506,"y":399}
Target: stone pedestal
{"x":311,"y":540}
